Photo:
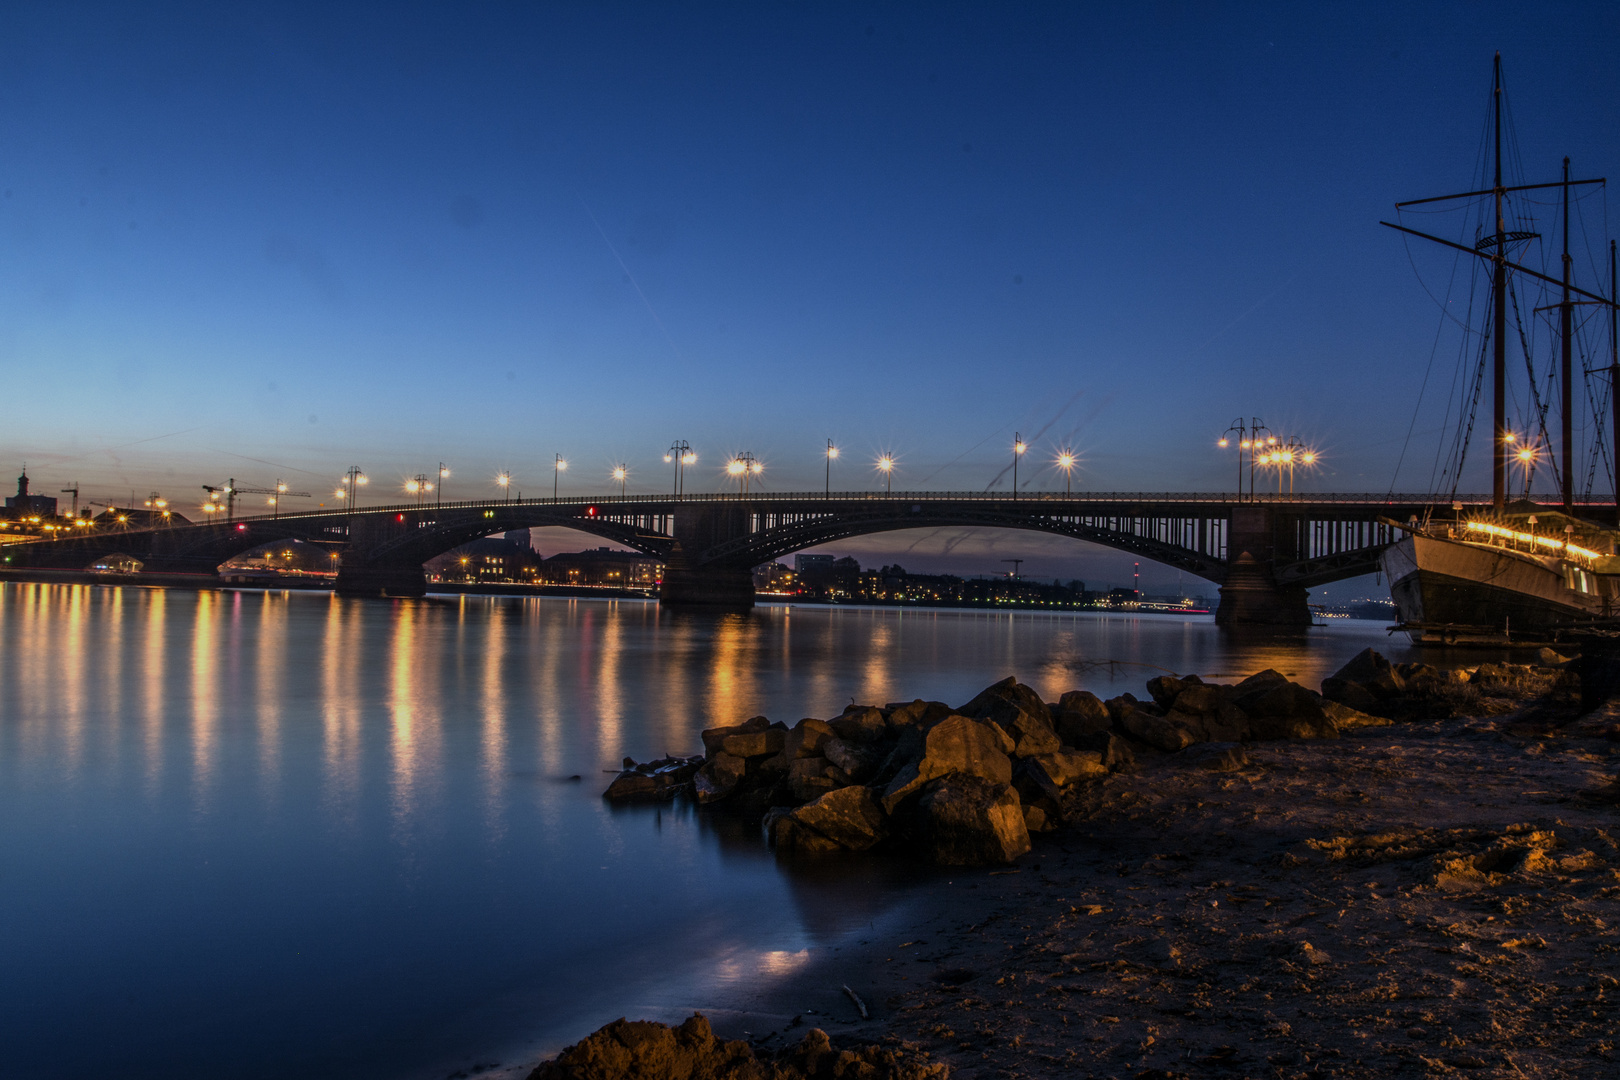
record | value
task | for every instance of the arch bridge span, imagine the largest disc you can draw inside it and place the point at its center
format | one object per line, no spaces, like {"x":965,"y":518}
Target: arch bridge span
{"x":1263,"y":552}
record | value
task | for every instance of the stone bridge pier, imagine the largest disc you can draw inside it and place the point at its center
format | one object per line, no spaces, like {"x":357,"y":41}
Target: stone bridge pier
{"x":1258,"y":539}
{"x":372,"y":565}
{"x":718,"y":585}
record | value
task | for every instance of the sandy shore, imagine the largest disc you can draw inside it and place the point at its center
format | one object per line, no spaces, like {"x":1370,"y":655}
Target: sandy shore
{"x":1412,"y":900}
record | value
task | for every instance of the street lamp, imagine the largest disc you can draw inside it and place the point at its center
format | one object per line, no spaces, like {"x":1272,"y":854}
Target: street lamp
{"x":681,"y":454}
{"x":1527,"y":456}
{"x":885,"y":465}
{"x":556,"y":470}
{"x":620,"y":473}
{"x":1066,"y":461}
{"x":439,"y":495}
{"x":1018,"y":452}
{"x":1249,"y":443}
{"x":504,"y":479}
{"x":350,"y":491}
{"x":419,"y":485}
{"x":832,"y":455}
{"x":743,"y":467}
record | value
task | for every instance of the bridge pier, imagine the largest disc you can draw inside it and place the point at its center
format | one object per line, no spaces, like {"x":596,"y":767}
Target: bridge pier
{"x":380,"y":581}
{"x":1250,"y":595}
{"x":726,"y":587}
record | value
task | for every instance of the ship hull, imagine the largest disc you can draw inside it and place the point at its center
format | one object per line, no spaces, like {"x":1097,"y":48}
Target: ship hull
{"x":1455,"y":590}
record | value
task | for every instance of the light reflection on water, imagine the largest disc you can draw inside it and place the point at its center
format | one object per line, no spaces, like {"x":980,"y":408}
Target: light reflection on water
{"x":271,"y":834}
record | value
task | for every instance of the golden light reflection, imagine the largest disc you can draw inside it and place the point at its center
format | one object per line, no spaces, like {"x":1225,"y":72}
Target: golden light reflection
{"x":204,"y":691}
{"x":340,"y":709}
{"x":414,"y":730}
{"x":270,"y":686}
{"x":492,"y":745}
{"x":70,"y":685}
{"x":154,"y":674}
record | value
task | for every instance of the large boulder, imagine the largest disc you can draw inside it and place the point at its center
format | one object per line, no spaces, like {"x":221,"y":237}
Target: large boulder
{"x":858,"y":761}
{"x":1029,"y":734}
{"x":850,"y":817}
{"x":967,"y":820}
{"x":644,"y":1050}
{"x":1345,"y":718}
{"x":807,"y":778}
{"x":1079,"y":713}
{"x":915,"y":714}
{"x":1285,"y":710}
{"x":1165,"y":689}
{"x":750,"y":744}
{"x":956,"y":744}
{"x":1364,"y":682}
{"x":719,"y":776}
{"x":860,"y":724}
{"x":1158,"y":732}
{"x":1064,"y":767}
{"x":805,"y":739}
{"x":652,"y":781}
{"x":1004,"y":698}
{"x":715,"y":736}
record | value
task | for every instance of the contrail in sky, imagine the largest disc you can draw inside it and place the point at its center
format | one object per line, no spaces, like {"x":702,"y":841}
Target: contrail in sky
{"x":125,"y":446}
{"x":261,"y":461}
{"x":632,"y":278}
{"x":1067,"y":405}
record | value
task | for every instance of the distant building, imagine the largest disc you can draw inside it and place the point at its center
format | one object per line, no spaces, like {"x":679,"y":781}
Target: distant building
{"x":603,"y":567}
{"x":775,"y":577}
{"x":490,"y":560}
{"x":811,"y":564}
{"x":26,"y":505}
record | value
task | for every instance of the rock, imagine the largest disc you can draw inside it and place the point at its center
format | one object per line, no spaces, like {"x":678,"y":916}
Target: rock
{"x":1548,"y":658}
{"x":850,"y":817}
{"x":1035,"y":819}
{"x":1350,"y":694}
{"x":1165,"y":689}
{"x":915,"y":714}
{"x":1157,"y":731}
{"x":652,"y":781}
{"x":643,"y":1050}
{"x":1285,"y":710}
{"x":785,"y":834}
{"x":713,"y":737}
{"x":806,"y":738}
{"x":956,"y":744}
{"x":1368,"y":670}
{"x":1036,"y":788}
{"x":1009,"y":694}
{"x":1197,"y":698}
{"x":1346,"y":719}
{"x":807,"y":778}
{"x":1064,"y":767}
{"x":1029,"y":734}
{"x":970,"y":821}
{"x":860,"y":724}
{"x":858,"y":762}
{"x":754,"y":743}
{"x":1260,"y":680}
{"x":1079,"y":713}
{"x":719,"y":776}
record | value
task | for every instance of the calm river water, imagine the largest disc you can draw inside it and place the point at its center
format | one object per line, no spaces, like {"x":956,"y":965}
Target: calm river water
{"x":256,"y":834}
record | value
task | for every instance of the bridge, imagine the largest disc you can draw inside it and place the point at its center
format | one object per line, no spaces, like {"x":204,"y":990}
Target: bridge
{"x":1263,"y":551}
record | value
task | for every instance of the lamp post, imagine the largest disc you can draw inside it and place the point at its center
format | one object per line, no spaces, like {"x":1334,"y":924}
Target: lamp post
{"x":1066,"y":461}
{"x":885,"y":465}
{"x":504,"y":480}
{"x":1250,"y":444}
{"x":744,"y":466}
{"x":352,"y":481}
{"x":832,"y":454}
{"x":557,"y":467}
{"x":681,"y":454}
{"x":1018,"y":452}
{"x":438,"y":495}
{"x":620,"y":473}
{"x":419,"y":485}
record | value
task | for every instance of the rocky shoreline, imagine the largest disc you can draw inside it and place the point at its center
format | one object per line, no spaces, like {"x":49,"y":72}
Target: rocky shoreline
{"x":1408,"y":873}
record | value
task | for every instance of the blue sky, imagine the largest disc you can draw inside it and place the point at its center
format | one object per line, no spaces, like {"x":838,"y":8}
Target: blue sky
{"x":280,"y":240}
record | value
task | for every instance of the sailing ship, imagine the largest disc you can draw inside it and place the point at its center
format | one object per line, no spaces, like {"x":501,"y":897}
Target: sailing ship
{"x":1521,"y":570}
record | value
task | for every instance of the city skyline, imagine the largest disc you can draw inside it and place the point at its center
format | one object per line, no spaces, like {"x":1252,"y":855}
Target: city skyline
{"x":274,"y":245}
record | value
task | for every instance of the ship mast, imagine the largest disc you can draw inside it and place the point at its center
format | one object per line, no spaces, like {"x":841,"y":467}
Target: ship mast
{"x":1499,"y":443}
{"x":1494,"y":248}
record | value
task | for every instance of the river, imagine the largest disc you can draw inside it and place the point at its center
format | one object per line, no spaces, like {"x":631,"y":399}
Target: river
{"x":271,"y":834}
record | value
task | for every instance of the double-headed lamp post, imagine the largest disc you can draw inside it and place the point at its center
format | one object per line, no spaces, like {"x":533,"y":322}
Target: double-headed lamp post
{"x":1018,"y":451}
{"x":744,"y":466}
{"x":621,"y":474}
{"x":558,"y":465}
{"x":439,"y":493}
{"x":419,"y":485}
{"x":503,"y":480}
{"x":832,"y":455}
{"x":680,"y":452}
{"x":885,"y":465}
{"x":1066,"y":461}
{"x":351,"y":483}
{"x":1250,"y":443}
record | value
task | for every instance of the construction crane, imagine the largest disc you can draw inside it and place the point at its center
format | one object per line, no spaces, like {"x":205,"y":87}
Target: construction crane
{"x":1016,"y":564}
{"x":231,"y":491}
{"x":75,"y":490}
